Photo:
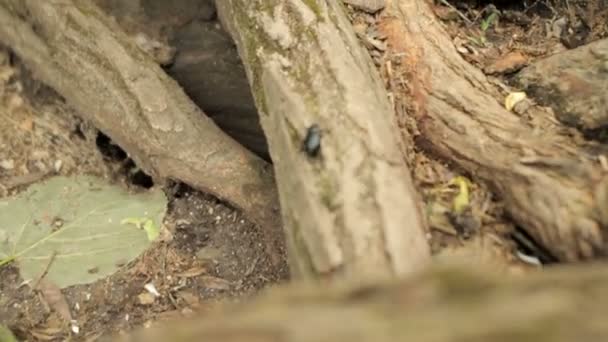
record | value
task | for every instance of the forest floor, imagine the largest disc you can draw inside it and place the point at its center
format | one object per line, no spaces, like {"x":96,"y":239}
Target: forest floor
{"x":213,"y":256}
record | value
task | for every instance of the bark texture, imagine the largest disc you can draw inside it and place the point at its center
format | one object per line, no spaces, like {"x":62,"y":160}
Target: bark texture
{"x":574,"y":83}
{"x":443,"y":305}
{"x":74,"y":48}
{"x":351,"y":211}
{"x":205,"y":61}
{"x":551,"y":185}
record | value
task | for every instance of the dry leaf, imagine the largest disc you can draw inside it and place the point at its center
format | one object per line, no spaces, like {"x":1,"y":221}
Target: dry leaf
{"x":55,"y":299}
{"x":192,"y":272}
{"x":191,"y":299}
{"x":214,"y":283}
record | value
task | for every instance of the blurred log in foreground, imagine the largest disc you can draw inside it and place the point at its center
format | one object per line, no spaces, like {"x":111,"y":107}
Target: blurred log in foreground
{"x":448,"y":304}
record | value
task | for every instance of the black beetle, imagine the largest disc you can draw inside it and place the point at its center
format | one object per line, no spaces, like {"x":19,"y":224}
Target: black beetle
{"x":312,"y":141}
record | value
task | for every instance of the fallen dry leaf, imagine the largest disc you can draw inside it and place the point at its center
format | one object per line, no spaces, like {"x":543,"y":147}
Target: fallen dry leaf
{"x":193,"y":272}
{"x":511,"y":62}
{"x":55,"y":299}
{"x":214,"y":283}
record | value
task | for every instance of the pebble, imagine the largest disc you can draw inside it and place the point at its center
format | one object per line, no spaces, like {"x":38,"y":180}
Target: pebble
{"x":7,"y":164}
{"x":57,"y":165}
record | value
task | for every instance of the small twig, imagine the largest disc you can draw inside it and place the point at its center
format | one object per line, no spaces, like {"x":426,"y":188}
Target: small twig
{"x":464,"y":17}
{"x":46,"y":270}
{"x":30,"y":178}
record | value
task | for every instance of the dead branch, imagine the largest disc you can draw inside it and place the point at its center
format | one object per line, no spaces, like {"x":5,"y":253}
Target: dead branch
{"x":351,"y":210}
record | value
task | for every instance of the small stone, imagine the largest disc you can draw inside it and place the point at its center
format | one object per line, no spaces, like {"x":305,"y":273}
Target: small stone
{"x":74,"y":327}
{"x":7,"y":164}
{"x":57,"y":165}
{"x":463,"y":50}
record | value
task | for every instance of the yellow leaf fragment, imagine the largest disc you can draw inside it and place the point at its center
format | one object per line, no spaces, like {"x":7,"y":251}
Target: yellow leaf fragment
{"x":513,"y":98}
{"x":461,"y":201}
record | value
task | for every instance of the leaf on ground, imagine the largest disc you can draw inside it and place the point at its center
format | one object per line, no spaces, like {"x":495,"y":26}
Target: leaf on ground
{"x":6,"y":335}
{"x":78,"y":220}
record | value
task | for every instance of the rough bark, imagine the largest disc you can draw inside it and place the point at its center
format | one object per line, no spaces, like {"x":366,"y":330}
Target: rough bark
{"x":550,"y":184}
{"x":351,"y":211}
{"x":443,"y":305}
{"x":574,"y":83}
{"x":74,"y":48}
{"x":205,"y":64}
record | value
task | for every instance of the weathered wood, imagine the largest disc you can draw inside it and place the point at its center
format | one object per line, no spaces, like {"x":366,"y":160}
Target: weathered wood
{"x":74,"y":48}
{"x":205,"y":64}
{"x":551,"y":185}
{"x":574,"y":83}
{"x":444,"y":305}
{"x":351,"y":211}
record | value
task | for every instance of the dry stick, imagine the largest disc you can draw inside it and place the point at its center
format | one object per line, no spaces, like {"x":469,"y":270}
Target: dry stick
{"x":351,"y":211}
{"x":83,"y":55}
{"x":549,"y":185}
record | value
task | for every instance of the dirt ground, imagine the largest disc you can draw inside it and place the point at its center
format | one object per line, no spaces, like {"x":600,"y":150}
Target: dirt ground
{"x":214,"y":254}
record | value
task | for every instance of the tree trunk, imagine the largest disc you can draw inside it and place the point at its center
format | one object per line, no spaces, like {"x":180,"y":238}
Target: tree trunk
{"x":551,"y":185}
{"x":352,"y":210}
{"x":442,"y":305}
{"x":74,"y":48}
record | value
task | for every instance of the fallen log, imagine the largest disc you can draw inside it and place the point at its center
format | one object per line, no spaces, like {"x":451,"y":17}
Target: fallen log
{"x":450,"y":304}
{"x":78,"y":51}
{"x":551,"y":185}
{"x":351,"y":210}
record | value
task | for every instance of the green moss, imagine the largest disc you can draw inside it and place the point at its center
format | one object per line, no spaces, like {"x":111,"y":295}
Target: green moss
{"x":314,"y":6}
{"x":328,"y":192}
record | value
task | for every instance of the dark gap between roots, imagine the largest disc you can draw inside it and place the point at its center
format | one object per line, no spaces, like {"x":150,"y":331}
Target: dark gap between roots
{"x":115,"y":154}
{"x":527,"y":245}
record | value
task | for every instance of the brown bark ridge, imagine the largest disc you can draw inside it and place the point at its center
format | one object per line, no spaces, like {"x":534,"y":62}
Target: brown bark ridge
{"x":205,"y":62}
{"x":550,"y":185}
{"x":447,"y":304}
{"x":574,"y":83}
{"x":74,"y":48}
{"x":351,"y":211}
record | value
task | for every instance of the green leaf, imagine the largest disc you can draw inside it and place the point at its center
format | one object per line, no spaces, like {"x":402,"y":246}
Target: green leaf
{"x":72,"y":226}
{"x":144,"y":223}
{"x":6,"y":335}
{"x":485,"y":24}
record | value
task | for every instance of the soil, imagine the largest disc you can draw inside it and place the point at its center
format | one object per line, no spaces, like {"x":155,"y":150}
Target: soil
{"x":213,"y":253}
